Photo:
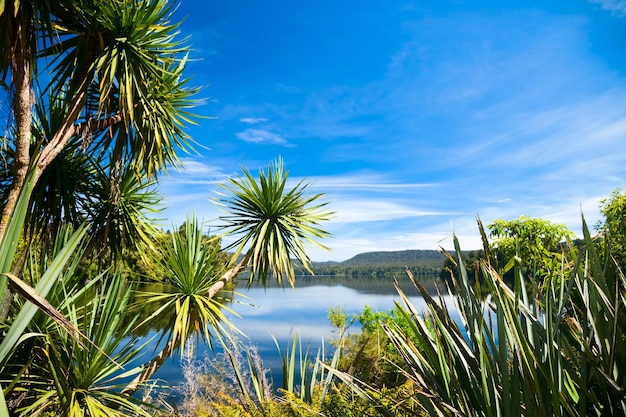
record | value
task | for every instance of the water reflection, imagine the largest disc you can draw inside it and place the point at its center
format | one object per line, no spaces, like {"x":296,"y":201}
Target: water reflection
{"x":262,"y":312}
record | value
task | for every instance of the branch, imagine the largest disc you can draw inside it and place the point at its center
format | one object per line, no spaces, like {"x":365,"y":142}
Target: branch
{"x":68,"y":129}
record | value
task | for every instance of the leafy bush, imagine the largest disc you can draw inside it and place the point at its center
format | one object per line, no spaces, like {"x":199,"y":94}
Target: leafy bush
{"x":369,"y":355}
{"x":614,"y":227}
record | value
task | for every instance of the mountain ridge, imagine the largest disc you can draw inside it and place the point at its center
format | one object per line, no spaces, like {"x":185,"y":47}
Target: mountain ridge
{"x":399,"y":256}
{"x":379,"y":263}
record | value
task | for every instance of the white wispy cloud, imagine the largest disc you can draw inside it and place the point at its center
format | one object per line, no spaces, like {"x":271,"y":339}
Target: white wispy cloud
{"x":194,"y":172}
{"x":357,"y":210}
{"x":194,"y":168}
{"x":617,"y":7}
{"x":365,"y":182}
{"x":260,"y":136}
{"x":497,"y":114}
{"x":253,"y":120}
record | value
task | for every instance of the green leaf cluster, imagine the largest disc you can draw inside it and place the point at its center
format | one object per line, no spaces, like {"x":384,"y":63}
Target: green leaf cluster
{"x":273,"y":222}
{"x":540,"y":243}
{"x":613,"y":229}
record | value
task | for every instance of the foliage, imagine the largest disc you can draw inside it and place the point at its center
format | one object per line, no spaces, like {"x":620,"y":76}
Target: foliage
{"x":471,"y":261}
{"x":614,"y":227}
{"x":192,"y":263}
{"x":273,"y":222}
{"x":144,"y":262}
{"x":538,"y":242}
{"x":98,"y":84}
{"x":369,"y":355}
{"x":122,"y":222}
{"x":85,"y":378}
{"x":401,"y":257}
{"x":375,"y":271}
{"x":99,"y":109}
{"x":383,"y":264}
{"x":65,"y":375}
{"x":276,"y":222}
{"x":235,"y":383}
{"x":15,"y":331}
{"x":65,"y":361}
{"x":511,"y":355}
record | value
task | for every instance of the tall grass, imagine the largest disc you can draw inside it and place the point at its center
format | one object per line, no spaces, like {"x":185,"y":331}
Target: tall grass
{"x":237,"y":382}
{"x":559,"y":352}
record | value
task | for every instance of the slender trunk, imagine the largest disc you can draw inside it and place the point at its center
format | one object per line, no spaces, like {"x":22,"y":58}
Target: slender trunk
{"x":151,"y":367}
{"x":23,"y":103}
{"x":115,"y":182}
{"x":229,"y":276}
{"x":22,"y":110}
{"x":70,"y":126}
{"x":62,"y":136}
{"x":22,"y":107}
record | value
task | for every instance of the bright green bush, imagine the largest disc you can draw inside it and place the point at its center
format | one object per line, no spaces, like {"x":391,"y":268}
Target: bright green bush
{"x":369,"y":354}
{"x":537,"y":241}
{"x":613,"y":229}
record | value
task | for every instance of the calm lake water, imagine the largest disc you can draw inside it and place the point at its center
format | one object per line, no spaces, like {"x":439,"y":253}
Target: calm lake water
{"x":282,"y":312}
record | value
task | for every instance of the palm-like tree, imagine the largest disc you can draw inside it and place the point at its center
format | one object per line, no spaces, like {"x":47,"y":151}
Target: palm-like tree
{"x":191,"y":262}
{"x":120,"y":210}
{"x":272,"y":222}
{"x":115,"y":76}
{"x":80,"y":186}
{"x":68,"y":360}
{"x":276,"y":222}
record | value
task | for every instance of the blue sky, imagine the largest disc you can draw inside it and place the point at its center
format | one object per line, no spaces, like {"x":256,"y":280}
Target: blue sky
{"x":412,"y":117}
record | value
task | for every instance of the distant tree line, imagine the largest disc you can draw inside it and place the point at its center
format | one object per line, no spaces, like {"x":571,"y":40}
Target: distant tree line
{"x":377,"y":270}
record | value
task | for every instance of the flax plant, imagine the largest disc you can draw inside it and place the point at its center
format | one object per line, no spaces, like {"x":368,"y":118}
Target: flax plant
{"x":303,"y":374}
{"x":87,"y":378}
{"x":237,"y":382}
{"x":14,"y":330}
{"x":560,"y":354}
{"x":49,"y":353}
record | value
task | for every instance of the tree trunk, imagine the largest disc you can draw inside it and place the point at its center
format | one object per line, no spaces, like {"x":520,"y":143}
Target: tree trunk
{"x":22,"y":110}
{"x":229,"y":276}
{"x":149,"y":369}
{"x":23,"y":102}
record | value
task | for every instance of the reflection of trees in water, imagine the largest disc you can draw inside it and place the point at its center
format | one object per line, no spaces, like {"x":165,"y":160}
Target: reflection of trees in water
{"x":368,"y":285}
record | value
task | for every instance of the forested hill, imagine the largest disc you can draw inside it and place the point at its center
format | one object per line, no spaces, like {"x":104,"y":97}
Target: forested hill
{"x":420,"y":262}
{"x":403,"y":257}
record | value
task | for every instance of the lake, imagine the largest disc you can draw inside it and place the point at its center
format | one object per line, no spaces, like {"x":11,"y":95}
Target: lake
{"x":282,"y":312}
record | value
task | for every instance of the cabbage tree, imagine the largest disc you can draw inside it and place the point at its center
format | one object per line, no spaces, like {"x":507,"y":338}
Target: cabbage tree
{"x":110,"y":74}
{"x":271,"y":222}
